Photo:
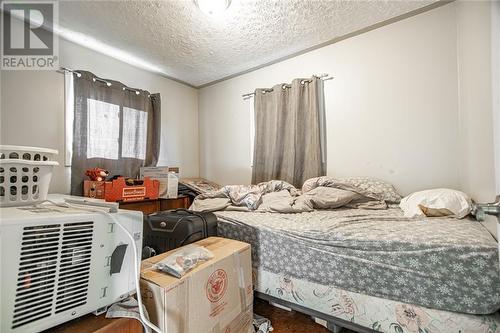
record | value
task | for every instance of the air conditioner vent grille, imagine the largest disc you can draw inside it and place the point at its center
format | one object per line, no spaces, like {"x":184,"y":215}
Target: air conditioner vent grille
{"x":54,"y":270}
{"x":76,"y":251}
{"x":36,"y":275}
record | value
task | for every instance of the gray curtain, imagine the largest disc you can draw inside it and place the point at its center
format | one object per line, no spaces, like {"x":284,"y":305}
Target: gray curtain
{"x":289,"y":132}
{"x":92,"y":96}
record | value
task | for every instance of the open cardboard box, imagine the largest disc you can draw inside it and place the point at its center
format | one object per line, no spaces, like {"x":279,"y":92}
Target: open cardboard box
{"x":216,"y":296}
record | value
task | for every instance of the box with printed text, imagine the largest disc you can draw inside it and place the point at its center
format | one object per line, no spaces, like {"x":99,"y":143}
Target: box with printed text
{"x":216,"y":296}
{"x":168,"y":177}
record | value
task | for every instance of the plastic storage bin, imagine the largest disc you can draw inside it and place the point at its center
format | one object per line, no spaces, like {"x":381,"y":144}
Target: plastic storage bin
{"x":25,"y":174}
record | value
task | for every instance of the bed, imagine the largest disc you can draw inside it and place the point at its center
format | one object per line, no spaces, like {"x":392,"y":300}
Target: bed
{"x":375,"y":269}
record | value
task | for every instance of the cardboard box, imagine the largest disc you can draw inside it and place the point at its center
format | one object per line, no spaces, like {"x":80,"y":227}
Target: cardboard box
{"x":161,"y":174}
{"x":93,"y":189}
{"x":216,"y":296}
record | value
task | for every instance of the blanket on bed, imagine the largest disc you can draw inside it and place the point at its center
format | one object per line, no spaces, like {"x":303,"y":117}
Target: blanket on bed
{"x":440,"y":263}
{"x":281,"y":197}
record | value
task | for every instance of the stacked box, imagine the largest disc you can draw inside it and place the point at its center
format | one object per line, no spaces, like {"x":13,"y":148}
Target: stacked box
{"x":168,"y":177}
{"x":216,"y":296}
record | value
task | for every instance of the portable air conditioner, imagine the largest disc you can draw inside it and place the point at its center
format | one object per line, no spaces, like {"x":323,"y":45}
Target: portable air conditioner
{"x":57,"y":264}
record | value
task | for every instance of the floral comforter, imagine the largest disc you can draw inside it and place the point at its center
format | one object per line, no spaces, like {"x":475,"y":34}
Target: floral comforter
{"x":438,"y":263}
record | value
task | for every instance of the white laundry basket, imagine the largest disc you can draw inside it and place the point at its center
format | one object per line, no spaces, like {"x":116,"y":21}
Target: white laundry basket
{"x":25,"y":174}
{"x":27,"y":153}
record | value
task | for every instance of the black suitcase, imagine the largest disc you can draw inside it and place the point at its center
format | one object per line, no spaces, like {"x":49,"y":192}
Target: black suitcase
{"x":167,"y":230}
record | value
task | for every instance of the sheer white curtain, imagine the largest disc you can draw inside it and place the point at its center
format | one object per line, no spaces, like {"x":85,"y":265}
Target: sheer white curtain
{"x":69,"y":116}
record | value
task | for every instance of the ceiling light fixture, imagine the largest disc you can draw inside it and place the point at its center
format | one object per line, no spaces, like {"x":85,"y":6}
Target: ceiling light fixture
{"x":213,"y":7}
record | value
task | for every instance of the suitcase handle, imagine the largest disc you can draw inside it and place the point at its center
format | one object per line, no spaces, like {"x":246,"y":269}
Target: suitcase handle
{"x":205,"y":223}
{"x":181,"y":210}
{"x":184,"y":210}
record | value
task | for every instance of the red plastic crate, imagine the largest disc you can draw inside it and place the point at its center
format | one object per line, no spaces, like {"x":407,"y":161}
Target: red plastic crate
{"x":118,"y":190}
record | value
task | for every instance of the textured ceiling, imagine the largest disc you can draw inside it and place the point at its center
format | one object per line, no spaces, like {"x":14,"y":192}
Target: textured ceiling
{"x":178,"y":40}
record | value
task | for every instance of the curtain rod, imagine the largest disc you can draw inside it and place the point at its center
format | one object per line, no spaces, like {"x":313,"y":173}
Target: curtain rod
{"x":95,"y":78}
{"x":324,"y":77}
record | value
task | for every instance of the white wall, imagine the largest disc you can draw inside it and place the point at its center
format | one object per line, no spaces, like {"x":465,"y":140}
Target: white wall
{"x":495,"y":63}
{"x":392,"y":109}
{"x":32,"y":114}
{"x":491,"y":223}
{"x":475,"y":99}
{"x":32,"y":108}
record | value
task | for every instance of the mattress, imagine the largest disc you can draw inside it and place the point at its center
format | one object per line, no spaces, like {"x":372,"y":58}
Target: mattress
{"x":374,"y":313}
{"x":438,"y":263}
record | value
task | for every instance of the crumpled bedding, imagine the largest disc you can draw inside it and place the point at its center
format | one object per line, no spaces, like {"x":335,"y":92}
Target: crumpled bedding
{"x":281,"y":197}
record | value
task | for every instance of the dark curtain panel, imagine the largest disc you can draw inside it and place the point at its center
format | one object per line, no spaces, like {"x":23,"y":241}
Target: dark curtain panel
{"x":289,"y":132}
{"x":154,"y":122}
{"x":114,"y":128}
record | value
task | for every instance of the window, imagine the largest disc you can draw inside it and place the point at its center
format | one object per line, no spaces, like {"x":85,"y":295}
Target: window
{"x":109,"y":126}
{"x":135,"y":131}
{"x":103,"y":129}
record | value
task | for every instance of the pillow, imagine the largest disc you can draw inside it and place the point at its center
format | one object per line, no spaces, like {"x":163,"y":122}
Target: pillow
{"x":378,"y":187}
{"x":329,"y":197}
{"x":371,"y":187}
{"x":436,"y":203}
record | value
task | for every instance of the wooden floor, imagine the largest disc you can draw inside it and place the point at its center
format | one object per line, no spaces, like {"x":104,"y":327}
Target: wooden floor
{"x":284,"y":321}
